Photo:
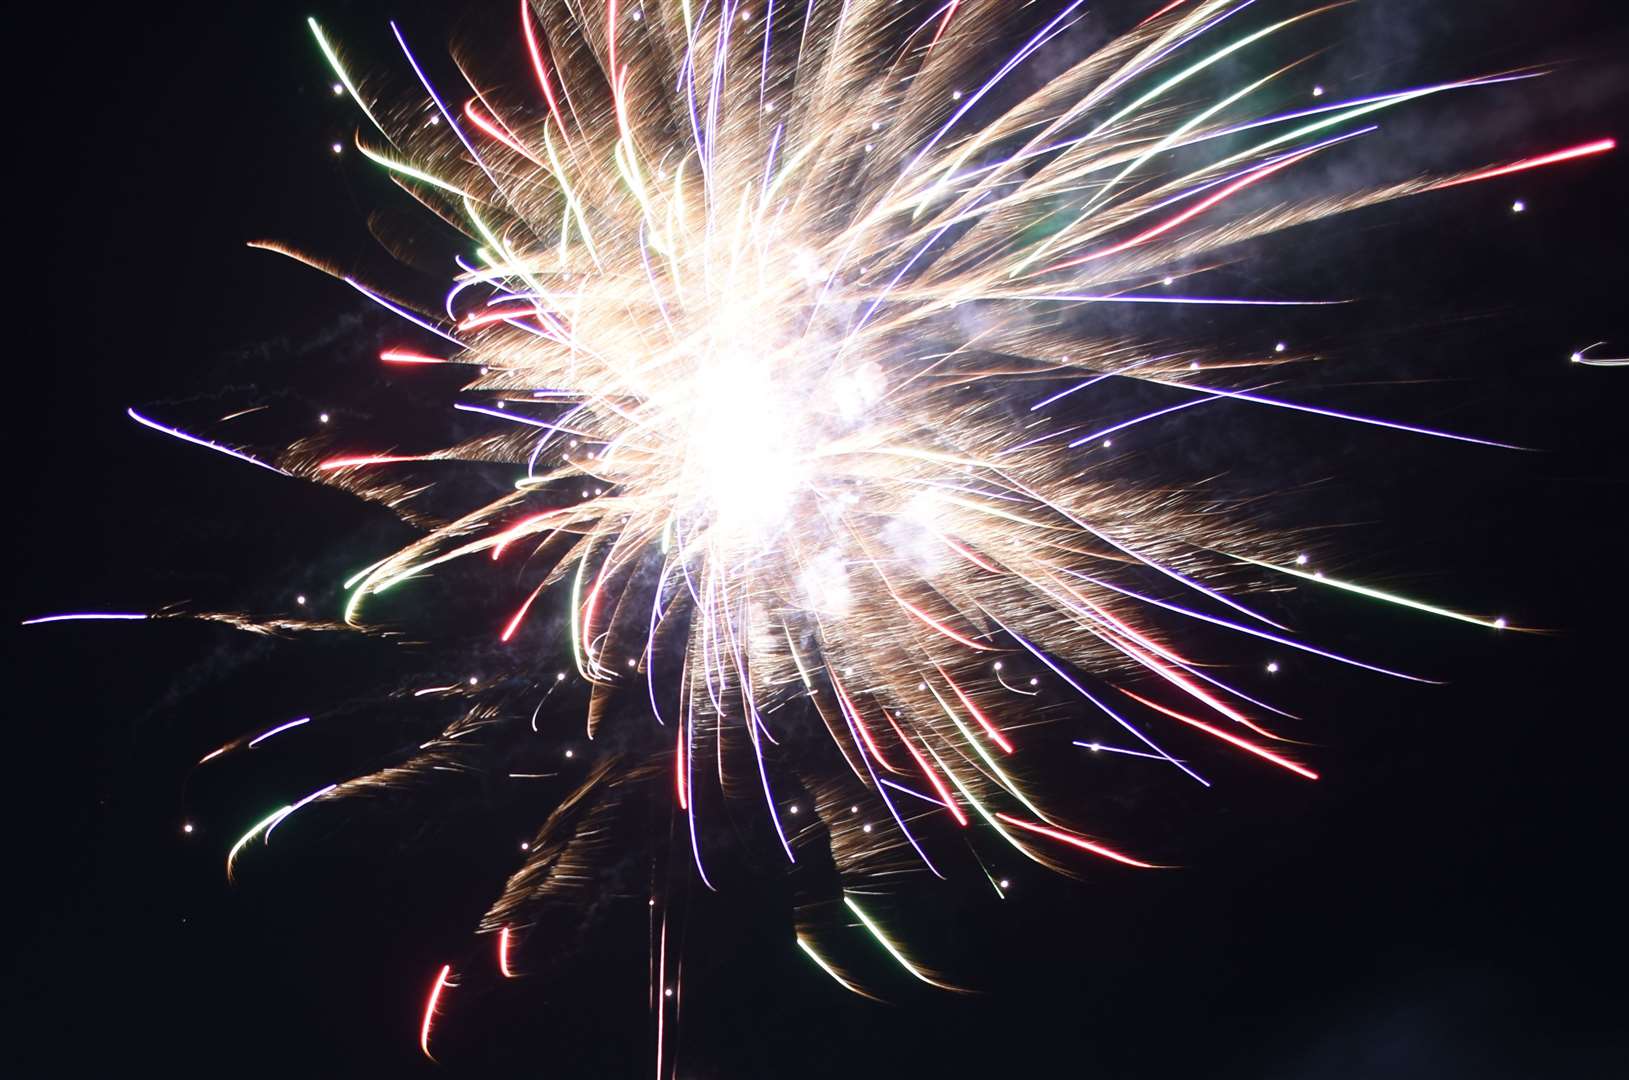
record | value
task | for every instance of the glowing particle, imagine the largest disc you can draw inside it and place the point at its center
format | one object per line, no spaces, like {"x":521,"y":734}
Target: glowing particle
{"x":1317,"y":91}
{"x":668,"y":992}
{"x":1517,"y":207}
{"x":955,"y":95}
{"x":338,"y":88}
{"x":1301,"y":560}
{"x":570,"y":753}
{"x":793,"y":809}
{"x":525,"y":845}
{"x":322,"y":418}
{"x":1005,"y":884}
{"x":1500,"y":623}
{"x":866,"y":827}
{"x":300,"y":599}
{"x":473,"y":679}
{"x":337,"y":148}
{"x":1279,"y":347}
{"x":187,"y":828}
{"x":1272,"y":667}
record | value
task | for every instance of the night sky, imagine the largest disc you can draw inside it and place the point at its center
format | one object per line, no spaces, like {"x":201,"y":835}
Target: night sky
{"x":1445,"y":902}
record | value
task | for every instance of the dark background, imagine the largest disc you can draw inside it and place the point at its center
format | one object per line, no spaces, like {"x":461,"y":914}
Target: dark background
{"x":1445,"y":903}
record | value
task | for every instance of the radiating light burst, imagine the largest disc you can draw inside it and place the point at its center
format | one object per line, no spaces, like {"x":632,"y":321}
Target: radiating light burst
{"x":780,"y":319}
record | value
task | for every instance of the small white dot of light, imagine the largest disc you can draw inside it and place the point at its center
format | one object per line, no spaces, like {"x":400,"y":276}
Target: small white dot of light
{"x":322,"y":418}
{"x":1107,"y":443}
{"x":630,"y":661}
{"x":1317,"y":91}
{"x":1317,"y":573}
{"x":1167,"y":281}
{"x":1300,"y":560}
{"x":653,"y":901}
{"x":570,"y":753}
{"x":524,"y":846}
{"x":794,"y":808}
{"x":1272,"y":667}
{"x":1578,"y":358}
{"x":559,"y":676}
{"x":955,"y":95}
{"x":1095,"y":748}
{"x":1518,"y":206}
{"x":876,"y":125}
{"x":745,"y":14}
{"x":473,"y":679}
{"x":483,"y":370}
{"x":1035,"y":682}
{"x":339,"y":88}
{"x":1500,"y":622}
{"x":921,"y":686}
{"x":300,"y":599}
{"x":501,"y":404}
{"x":1279,"y":347}
{"x":1005,"y":884}
{"x":769,"y":106}
{"x":868,"y":148}
{"x":187,"y":828}
{"x":636,"y":17}
{"x":866,"y":827}
{"x":854,"y":809}
{"x":668,"y":992}
{"x":573,"y":442}
{"x":337,"y":148}
{"x":1193,"y":365}
{"x":435,"y":119}
{"x":998,"y":665}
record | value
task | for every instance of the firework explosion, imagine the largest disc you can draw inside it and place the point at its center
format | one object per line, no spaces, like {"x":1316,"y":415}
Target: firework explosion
{"x":772,"y":311}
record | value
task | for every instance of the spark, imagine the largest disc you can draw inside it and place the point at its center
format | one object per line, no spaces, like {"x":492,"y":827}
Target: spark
{"x":430,"y":1004}
{"x":503,"y":947}
{"x":823,"y":965}
{"x":263,"y":736}
{"x":177,"y":433}
{"x":1582,"y":357}
{"x":87,"y":616}
{"x":1075,"y":841}
{"x":892,"y":949}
